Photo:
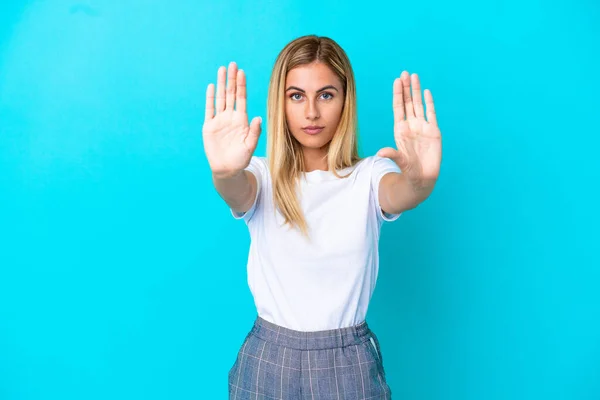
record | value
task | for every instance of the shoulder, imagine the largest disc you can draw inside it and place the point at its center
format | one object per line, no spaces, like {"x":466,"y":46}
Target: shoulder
{"x":384,"y":165}
{"x":376,"y":167}
{"x":375,"y":164}
{"x":259,"y":160}
{"x":258,"y":164}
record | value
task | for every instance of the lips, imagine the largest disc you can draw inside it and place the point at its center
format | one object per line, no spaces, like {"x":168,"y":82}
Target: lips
{"x":313,"y":130}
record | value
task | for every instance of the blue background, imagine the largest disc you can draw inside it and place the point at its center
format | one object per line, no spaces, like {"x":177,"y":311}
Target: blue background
{"x":122,"y":273}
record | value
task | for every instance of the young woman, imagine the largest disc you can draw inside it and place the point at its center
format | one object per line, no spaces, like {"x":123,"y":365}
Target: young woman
{"x":314,"y":210}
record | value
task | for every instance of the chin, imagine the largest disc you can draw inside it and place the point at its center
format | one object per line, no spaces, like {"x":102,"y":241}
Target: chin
{"x":315,"y":143}
{"x":312,"y":142}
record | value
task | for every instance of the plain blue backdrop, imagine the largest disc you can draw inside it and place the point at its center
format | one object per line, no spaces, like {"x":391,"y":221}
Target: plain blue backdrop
{"x":122,"y":273}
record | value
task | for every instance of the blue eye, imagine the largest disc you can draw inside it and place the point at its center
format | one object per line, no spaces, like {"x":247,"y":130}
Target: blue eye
{"x":323,"y":94}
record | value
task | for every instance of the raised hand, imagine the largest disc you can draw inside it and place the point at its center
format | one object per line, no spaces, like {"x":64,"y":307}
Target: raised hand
{"x":418,"y":140}
{"x":229,"y":141}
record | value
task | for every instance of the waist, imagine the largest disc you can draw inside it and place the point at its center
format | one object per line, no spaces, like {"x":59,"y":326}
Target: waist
{"x":313,"y":340}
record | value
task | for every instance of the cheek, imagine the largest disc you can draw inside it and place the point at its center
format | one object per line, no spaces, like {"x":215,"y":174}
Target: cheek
{"x":334,"y":113}
{"x":291,"y":113}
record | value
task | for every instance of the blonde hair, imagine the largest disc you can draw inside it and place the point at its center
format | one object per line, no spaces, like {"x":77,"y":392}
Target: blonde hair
{"x":284,"y":152}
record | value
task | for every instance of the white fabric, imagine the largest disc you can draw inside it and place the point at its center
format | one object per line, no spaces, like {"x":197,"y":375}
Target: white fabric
{"x":325,"y":282}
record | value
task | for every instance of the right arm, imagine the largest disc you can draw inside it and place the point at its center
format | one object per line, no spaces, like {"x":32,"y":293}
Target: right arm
{"x":229,"y":141}
{"x":238,"y":191}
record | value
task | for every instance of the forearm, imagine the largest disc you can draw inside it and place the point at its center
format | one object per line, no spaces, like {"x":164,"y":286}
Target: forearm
{"x":238,"y":191}
{"x":401,"y":193}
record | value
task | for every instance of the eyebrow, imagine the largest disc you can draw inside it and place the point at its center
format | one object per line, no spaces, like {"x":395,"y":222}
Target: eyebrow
{"x":320,"y":90}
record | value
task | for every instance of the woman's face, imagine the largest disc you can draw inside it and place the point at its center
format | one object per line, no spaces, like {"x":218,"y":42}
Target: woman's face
{"x":314,"y":98}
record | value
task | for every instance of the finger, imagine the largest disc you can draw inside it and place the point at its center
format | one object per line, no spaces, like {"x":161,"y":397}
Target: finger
{"x":221,"y":89}
{"x":417,"y":97}
{"x":388,"y":152}
{"x":231,"y":86}
{"x":240,"y":99}
{"x":210,"y":103}
{"x":398,"y":102}
{"x":255,"y":129}
{"x":431,"y":116}
{"x":256,"y":126}
{"x":408,"y":105}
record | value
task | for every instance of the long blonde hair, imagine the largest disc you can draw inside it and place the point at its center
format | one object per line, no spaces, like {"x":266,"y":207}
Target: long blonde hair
{"x":284,"y":152}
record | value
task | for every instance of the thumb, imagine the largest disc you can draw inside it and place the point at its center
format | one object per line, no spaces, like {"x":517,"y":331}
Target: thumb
{"x":387,"y":152}
{"x":255,"y":129}
{"x":256,"y":126}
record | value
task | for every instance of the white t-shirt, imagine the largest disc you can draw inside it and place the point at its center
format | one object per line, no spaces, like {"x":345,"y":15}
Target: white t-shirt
{"x":325,"y":282}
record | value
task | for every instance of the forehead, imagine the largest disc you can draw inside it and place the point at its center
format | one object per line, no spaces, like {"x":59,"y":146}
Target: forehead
{"x":312,"y":77}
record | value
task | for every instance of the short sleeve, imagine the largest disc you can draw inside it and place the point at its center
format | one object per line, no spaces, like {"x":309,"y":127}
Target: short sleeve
{"x":382,"y":166}
{"x":257,"y":167}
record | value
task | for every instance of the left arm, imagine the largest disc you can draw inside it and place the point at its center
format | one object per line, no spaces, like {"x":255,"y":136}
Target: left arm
{"x":419,"y":149}
{"x":397,"y":194}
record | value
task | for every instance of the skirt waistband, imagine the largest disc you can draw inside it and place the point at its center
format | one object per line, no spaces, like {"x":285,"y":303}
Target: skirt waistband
{"x":316,"y":340}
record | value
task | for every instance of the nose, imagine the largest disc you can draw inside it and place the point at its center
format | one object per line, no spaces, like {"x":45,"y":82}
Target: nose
{"x":311,"y":111}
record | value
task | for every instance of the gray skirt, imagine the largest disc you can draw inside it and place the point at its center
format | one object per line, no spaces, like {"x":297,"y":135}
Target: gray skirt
{"x":279,"y":363}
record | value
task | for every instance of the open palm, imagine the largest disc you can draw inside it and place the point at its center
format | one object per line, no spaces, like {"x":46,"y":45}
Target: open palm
{"x":418,"y":139}
{"x":229,"y":141}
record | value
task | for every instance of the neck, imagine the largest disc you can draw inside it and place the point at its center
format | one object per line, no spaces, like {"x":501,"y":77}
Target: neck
{"x":315,"y":159}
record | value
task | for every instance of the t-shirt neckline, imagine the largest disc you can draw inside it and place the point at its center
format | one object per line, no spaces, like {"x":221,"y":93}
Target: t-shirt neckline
{"x":319,"y":175}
